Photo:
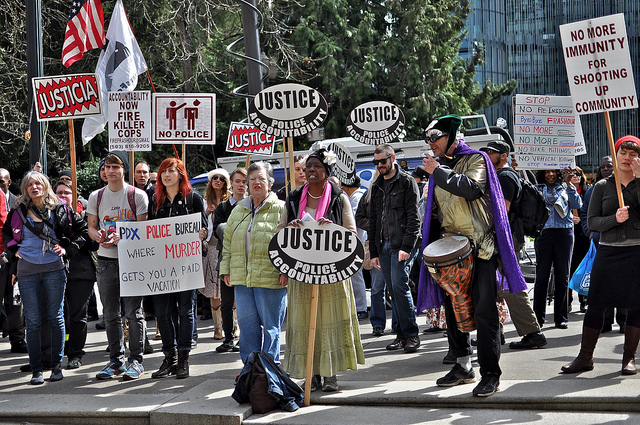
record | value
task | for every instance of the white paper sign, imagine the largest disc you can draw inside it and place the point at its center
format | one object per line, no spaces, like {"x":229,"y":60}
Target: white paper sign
{"x":547,"y":132}
{"x":160,"y":256}
{"x":129,"y":120}
{"x":596,"y":54}
{"x":188,"y":118}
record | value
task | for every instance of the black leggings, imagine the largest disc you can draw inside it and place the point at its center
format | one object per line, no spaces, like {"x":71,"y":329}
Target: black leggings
{"x":594,"y":317}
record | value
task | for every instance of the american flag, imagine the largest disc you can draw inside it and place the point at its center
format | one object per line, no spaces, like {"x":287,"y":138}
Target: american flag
{"x":85,"y":30}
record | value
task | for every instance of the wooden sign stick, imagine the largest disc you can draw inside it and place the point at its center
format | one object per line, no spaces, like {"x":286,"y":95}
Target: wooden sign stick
{"x":311,"y":344}
{"x":612,"y":148}
{"x":74,"y":180}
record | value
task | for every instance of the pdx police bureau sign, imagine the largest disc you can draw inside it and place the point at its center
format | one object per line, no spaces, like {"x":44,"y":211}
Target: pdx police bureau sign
{"x":316,"y":254}
{"x":288,"y":110}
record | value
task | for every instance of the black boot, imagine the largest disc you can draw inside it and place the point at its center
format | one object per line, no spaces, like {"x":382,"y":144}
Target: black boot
{"x":168,"y":366}
{"x":183,"y":364}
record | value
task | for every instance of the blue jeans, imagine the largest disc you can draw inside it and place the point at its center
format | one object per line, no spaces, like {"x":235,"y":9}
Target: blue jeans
{"x":108,"y":277}
{"x":260,"y":314}
{"x":396,"y":272}
{"x":33,"y":289}
{"x":182,"y":330}
{"x":378,"y":316}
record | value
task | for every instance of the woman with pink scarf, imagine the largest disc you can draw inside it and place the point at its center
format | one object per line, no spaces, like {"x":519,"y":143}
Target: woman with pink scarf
{"x":337,"y":345}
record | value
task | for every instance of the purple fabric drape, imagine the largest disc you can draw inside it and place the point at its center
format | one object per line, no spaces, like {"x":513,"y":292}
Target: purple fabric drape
{"x":430,"y":295}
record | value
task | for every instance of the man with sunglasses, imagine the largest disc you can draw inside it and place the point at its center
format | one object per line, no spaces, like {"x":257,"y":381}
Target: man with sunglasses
{"x":393,"y":233}
{"x":465,"y":193}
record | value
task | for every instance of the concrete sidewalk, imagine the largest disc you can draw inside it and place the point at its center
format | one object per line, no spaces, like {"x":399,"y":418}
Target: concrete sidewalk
{"x":391,"y":388}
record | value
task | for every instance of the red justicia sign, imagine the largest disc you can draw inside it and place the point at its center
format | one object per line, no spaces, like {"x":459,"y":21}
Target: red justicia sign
{"x":247,"y":138}
{"x":67,"y":96}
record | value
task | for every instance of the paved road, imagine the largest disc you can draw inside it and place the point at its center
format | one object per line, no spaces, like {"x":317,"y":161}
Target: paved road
{"x":532,"y":390}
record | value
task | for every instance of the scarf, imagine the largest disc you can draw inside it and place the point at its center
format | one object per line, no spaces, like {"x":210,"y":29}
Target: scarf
{"x":430,"y":294}
{"x":323,"y":202}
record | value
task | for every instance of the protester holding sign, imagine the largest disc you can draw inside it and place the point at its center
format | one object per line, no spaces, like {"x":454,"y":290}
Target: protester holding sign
{"x":173,"y":197}
{"x":217,"y":191}
{"x":38,"y":232}
{"x":118,"y":201}
{"x":615,"y":269}
{"x":261,"y":299}
{"x":338,"y":345}
{"x":555,"y":244}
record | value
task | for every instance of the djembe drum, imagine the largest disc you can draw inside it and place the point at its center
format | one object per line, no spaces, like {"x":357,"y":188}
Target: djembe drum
{"x":450,"y":263}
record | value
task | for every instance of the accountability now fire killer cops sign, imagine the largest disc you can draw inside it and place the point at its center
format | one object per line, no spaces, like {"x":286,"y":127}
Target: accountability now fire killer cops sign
{"x":248,"y":139}
{"x":129,"y":120}
{"x":288,"y":110}
{"x":596,"y":54}
{"x":188,"y":118}
{"x":160,"y":256}
{"x":345,"y":166}
{"x":316,"y":254}
{"x":374,"y":123}
{"x":67,"y":97}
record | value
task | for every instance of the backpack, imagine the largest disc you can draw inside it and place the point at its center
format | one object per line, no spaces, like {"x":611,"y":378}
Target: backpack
{"x":529,"y":213}
{"x":131,"y":198}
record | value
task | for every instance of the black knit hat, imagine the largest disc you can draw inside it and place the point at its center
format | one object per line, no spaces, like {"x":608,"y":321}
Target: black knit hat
{"x":124,"y":157}
{"x":447,"y":124}
{"x":326,"y":157}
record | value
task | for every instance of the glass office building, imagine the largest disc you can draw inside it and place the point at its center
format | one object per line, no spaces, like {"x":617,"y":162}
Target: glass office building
{"x":522,"y":41}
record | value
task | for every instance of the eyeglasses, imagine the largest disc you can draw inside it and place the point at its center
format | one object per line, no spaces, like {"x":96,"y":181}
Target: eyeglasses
{"x":153,"y":181}
{"x":382,"y":161}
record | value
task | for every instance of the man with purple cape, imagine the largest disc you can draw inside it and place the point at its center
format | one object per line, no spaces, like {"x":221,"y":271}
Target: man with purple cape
{"x":464,"y":193}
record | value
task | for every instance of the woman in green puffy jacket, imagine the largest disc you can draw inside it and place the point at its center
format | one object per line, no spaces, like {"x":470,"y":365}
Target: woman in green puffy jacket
{"x":261,"y":298}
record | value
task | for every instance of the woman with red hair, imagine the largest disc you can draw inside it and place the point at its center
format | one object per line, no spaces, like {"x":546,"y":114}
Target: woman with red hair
{"x":174,"y":197}
{"x":614,"y":276}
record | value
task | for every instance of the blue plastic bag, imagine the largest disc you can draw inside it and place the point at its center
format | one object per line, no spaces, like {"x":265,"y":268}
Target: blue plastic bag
{"x":581,"y":279}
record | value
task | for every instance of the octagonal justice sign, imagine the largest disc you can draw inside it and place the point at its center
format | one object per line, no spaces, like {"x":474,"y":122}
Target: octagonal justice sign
{"x":316,"y":254}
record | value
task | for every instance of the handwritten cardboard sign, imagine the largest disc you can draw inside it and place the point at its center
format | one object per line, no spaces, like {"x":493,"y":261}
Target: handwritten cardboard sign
{"x":547,"y":132}
{"x":160,"y":256}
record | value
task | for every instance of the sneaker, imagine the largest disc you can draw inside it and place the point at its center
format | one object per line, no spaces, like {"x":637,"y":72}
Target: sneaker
{"x":532,"y":340}
{"x":101,"y":325}
{"x":488,"y":386}
{"x":457,"y":376}
{"x":111,"y":370}
{"x":397,"y":344}
{"x":74,"y":363}
{"x":37,"y":378}
{"x":362,"y":315}
{"x":19,"y":347}
{"x":330,"y":384}
{"x":236,"y":347}
{"x":431,"y":329}
{"x":56,"y":373}
{"x":134,"y":371}
{"x":378,"y":331}
{"x":225,"y":347}
{"x":412,"y":344}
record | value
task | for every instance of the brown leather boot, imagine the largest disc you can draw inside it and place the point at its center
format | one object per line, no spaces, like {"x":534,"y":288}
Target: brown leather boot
{"x":217,"y":323}
{"x":631,"y":338}
{"x":183,"y":364}
{"x":168,"y":366}
{"x":584,"y":361}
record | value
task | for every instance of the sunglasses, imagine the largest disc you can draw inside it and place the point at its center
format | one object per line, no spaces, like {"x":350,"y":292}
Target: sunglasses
{"x":153,"y":181}
{"x":434,"y":137}
{"x":382,"y":161}
{"x":216,"y":177}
